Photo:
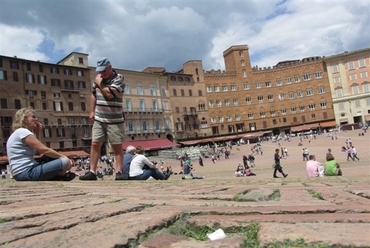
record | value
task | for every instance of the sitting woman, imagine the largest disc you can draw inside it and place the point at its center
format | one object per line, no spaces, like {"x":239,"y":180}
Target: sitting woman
{"x":240,"y":172}
{"x":248,"y":172}
{"x":22,"y":146}
{"x":332,"y":168}
{"x":141,"y":168}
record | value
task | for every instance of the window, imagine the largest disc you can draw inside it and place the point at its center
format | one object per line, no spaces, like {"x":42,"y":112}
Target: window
{"x":180,"y":79}
{"x":242,"y":63}
{"x":246,"y":86}
{"x":313,"y":116}
{"x":351,"y":65}
{"x":41,"y":79}
{"x":31,"y":94}
{"x":235,"y":101}
{"x":250,"y":116}
{"x":219,"y":103}
{"x":248,"y":99}
{"x":68,"y":84}
{"x":221,"y":119}
{"x":190,"y":93}
{"x":82,"y":85}
{"x":283,"y":111}
{"x":156,"y":125}
{"x":363,"y":74}
{"x":182,"y":92}
{"x":323,"y":105}
{"x":83,"y":106}
{"x":302,"y":108}
{"x":229,"y":118}
{"x":56,"y":95}
{"x":80,"y":60}
{"x":3,"y":75}
{"x":200,"y":93}
{"x":272,"y":113}
{"x":352,"y":76}
{"x":299,"y":93}
{"x":237,"y":117}
{"x":318,"y":74}
{"x":268,"y":84}
{"x":213,"y":120}
{"x":187,"y":79}
{"x":339,"y":92}
{"x":291,"y":95}
{"x":43,"y":94}
{"x":3,"y":103}
{"x":67,"y":72}
{"x":14,"y":64}
{"x":297,"y":79}
{"x":225,"y":88}
{"x":60,"y":132}
{"x":1,"y":62}
{"x":355,"y":89}
{"x":260,"y":99}
{"x":279,"y":82}
{"x":54,"y":70}
{"x":368,"y":101}
{"x":321,"y":90}
{"x":144,"y":126}
{"x":58,"y":106}
{"x":362,"y":63}
{"x":80,"y":73}
{"x":241,"y":54}
{"x":288,"y":80}
{"x":233,"y":87}
{"x":306,"y":77}
{"x":173,"y":78}
{"x":141,"y":105}
{"x":55,"y":82}
{"x":311,"y":106}
{"x":281,"y":96}
{"x":216,"y":88}
{"x":209,"y":88}
{"x":211,"y":104}
{"x":366,"y":87}
{"x":155,"y":105}
{"x":336,"y":79}
{"x":29,"y":78}
{"x":270,"y":97}
{"x":46,"y":132}
{"x":174,"y":92}
{"x":153,"y":91}
{"x":15,"y":76}
{"x":309,"y":92}
{"x":128,"y":105}
{"x":258,"y":85}
{"x":165,"y":105}
{"x":293,"y":109}
{"x":177,"y":110}
{"x":163,"y":92}
{"x":140,"y":90}
{"x":227,"y":102}
{"x":262,"y":114}
{"x":335,"y":69}
{"x":357,"y":103}
{"x":17,"y":104}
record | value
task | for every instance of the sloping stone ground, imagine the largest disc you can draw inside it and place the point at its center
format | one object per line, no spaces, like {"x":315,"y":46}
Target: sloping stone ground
{"x":123,"y":214}
{"x":330,"y":210}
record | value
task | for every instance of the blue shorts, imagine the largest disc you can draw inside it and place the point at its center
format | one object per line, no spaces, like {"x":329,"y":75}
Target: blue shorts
{"x":43,"y":171}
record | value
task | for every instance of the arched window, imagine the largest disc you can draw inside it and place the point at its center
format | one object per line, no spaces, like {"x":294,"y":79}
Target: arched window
{"x":180,"y":79}
{"x":173,"y":78}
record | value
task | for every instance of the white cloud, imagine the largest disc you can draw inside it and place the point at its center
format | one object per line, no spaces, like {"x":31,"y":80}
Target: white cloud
{"x":21,"y":42}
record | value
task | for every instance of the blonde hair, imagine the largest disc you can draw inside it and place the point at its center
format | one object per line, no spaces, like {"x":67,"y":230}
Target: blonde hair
{"x":20,"y":117}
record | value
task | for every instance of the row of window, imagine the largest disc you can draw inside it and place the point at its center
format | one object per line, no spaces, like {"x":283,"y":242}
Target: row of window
{"x":356,"y":102}
{"x":353,"y":76}
{"x":57,"y":106}
{"x":351,"y":65}
{"x":354,"y":88}
{"x":273,"y":113}
{"x":15,"y":65}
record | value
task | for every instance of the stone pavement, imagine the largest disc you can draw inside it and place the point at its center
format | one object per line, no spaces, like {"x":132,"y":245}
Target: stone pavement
{"x":106,"y":213}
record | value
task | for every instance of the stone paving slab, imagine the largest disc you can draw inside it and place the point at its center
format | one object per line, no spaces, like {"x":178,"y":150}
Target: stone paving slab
{"x":107,"y":213}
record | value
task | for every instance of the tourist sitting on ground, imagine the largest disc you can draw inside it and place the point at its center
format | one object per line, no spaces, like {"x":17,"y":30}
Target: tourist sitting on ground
{"x":332,"y":168}
{"x":188,"y":168}
{"x":312,"y":166}
{"x":127,"y":158}
{"x":240,"y":171}
{"x":248,"y":172}
{"x":141,"y":168}
{"x":22,"y":146}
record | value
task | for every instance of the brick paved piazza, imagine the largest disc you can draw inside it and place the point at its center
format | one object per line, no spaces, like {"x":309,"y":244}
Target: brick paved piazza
{"x":331,"y":210}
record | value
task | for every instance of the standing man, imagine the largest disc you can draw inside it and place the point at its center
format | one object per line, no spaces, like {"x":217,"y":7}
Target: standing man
{"x":107,"y":114}
{"x":278,"y":167}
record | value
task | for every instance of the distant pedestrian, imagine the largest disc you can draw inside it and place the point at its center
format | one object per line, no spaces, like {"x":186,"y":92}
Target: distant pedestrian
{"x":201,"y":161}
{"x":354,"y":153}
{"x":277,"y":166}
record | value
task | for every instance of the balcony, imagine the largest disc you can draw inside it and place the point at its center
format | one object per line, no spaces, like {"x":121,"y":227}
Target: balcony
{"x":191,"y":113}
{"x":143,"y":110}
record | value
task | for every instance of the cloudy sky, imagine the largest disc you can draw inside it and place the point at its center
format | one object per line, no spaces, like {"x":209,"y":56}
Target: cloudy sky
{"x":136,"y":34}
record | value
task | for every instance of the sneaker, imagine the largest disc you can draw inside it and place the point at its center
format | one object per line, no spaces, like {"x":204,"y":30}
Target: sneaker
{"x":166,"y":176}
{"x":90,"y":176}
{"x":276,"y":177}
{"x":68,"y":176}
{"x":285,"y":175}
{"x":121,"y":176}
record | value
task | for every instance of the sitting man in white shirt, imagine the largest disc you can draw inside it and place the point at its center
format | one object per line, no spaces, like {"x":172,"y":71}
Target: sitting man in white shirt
{"x":141,"y":168}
